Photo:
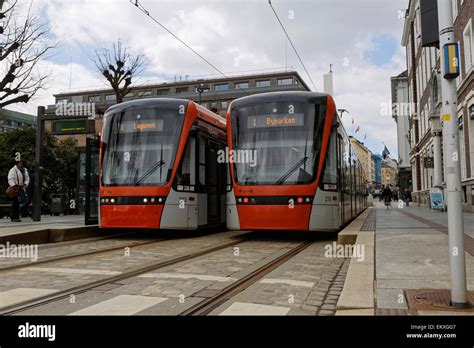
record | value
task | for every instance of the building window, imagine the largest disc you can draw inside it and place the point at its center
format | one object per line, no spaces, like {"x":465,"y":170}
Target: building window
{"x":221,"y":87}
{"x":468,"y":47}
{"x":205,"y":105}
{"x":163,"y":91}
{"x":213,"y":106}
{"x":111,"y":97}
{"x":241,"y":85}
{"x":182,"y":90}
{"x":224,"y":105}
{"x":144,"y":94}
{"x":285,"y":81}
{"x":263,"y":83}
{"x":94,"y":99}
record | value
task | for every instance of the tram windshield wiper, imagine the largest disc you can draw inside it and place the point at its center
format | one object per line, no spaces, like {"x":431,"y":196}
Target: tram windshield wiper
{"x":150,"y":171}
{"x":290,"y":171}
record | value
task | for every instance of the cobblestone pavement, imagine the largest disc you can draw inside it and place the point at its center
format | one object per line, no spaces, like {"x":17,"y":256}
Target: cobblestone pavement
{"x":308,"y":284}
{"x":68,"y":248}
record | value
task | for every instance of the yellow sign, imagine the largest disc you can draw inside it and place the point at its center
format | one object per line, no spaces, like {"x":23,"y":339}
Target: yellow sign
{"x":447,"y":117}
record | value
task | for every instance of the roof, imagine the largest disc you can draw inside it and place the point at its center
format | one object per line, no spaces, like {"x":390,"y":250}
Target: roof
{"x":236,"y":78}
{"x":19,"y":116}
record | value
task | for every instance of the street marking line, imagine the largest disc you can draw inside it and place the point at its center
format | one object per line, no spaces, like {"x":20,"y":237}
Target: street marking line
{"x":187,"y":276}
{"x":242,"y":308}
{"x":121,"y":305}
{"x":18,"y":295}
{"x":288,"y":281}
{"x":72,"y":270}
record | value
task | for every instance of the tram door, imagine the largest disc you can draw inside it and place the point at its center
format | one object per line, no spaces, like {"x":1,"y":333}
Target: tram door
{"x":213,"y":184}
{"x":92,"y":182}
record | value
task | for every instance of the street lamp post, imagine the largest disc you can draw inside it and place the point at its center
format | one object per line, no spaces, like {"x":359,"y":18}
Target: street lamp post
{"x":450,"y":67}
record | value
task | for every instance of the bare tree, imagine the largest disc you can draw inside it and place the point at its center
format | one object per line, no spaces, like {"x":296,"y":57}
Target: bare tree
{"x":22,"y":46}
{"x":119,"y":66}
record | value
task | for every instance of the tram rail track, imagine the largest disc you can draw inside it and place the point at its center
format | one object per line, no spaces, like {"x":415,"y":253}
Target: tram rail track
{"x":208,"y":305}
{"x":76,"y":255}
{"x":149,"y":267}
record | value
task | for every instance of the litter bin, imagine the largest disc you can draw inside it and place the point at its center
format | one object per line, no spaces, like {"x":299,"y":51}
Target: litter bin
{"x":58,"y":204}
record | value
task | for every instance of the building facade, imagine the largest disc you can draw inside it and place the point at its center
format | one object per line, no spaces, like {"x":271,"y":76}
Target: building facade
{"x":217,"y":97}
{"x":365,"y":157}
{"x":389,"y":172}
{"x":12,"y":119}
{"x":424,"y":95}
{"x":400,"y":114}
{"x":378,"y":169}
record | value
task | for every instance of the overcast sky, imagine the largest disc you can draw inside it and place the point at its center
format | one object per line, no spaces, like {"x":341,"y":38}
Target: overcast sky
{"x":361,"y":38}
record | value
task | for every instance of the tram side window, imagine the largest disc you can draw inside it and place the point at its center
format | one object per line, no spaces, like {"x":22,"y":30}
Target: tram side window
{"x":186,"y":175}
{"x":202,"y":163}
{"x":330,"y":172}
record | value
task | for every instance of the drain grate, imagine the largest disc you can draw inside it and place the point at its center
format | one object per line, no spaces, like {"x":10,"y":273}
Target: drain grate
{"x":369,"y":223}
{"x":434,"y":299}
{"x":394,"y":311}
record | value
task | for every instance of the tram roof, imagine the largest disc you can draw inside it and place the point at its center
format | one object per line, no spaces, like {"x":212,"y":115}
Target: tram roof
{"x":298,"y":96}
{"x":167,"y":103}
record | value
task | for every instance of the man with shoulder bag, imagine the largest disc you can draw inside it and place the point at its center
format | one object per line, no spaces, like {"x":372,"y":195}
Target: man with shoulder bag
{"x":18,"y":179}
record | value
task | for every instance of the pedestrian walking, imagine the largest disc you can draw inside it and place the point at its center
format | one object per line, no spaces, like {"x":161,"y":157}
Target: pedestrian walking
{"x":407,"y":198}
{"x":18,"y":179}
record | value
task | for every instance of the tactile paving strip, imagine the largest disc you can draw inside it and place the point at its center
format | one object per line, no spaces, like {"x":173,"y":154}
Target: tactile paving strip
{"x":434,"y":299}
{"x":369,"y":223}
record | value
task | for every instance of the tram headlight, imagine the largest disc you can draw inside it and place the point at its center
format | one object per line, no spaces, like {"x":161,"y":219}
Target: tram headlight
{"x":246,"y":200}
{"x":112,"y":200}
{"x":145,"y":200}
{"x":300,"y":200}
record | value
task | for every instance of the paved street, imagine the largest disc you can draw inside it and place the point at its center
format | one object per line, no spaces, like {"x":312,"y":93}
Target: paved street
{"x":308,"y":284}
{"x":411,"y":254}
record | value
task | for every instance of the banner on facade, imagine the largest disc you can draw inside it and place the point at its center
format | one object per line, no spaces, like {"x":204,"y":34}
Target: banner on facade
{"x":436,"y":198}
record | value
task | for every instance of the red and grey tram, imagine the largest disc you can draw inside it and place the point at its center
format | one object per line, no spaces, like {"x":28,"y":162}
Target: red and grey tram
{"x":159,"y":167}
{"x":303,"y":173}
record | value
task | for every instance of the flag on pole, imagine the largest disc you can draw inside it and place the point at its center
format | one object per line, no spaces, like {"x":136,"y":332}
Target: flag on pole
{"x":385,"y":152}
{"x":357,"y":129}
{"x":352,"y":120}
{"x":365,"y":136}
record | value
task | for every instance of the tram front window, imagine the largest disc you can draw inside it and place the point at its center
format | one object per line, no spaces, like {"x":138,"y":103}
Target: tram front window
{"x":284,"y":139}
{"x":139,"y":147}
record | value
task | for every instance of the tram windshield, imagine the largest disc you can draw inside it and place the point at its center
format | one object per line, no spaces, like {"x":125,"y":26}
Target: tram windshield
{"x":283,"y":139}
{"x":139,"y":146}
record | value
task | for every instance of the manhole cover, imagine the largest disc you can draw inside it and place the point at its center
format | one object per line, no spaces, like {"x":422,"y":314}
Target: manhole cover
{"x":434,"y":299}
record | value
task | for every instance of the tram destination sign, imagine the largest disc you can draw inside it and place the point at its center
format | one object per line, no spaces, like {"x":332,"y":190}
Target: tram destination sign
{"x":81,"y":126}
{"x":141,"y":126}
{"x":277,"y":120}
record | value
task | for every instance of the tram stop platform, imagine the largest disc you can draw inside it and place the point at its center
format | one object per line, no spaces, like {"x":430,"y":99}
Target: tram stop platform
{"x":49,"y":229}
{"x":406,"y":269}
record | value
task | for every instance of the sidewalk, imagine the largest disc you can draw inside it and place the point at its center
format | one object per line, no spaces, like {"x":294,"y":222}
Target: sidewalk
{"x":406,"y":265}
{"x":412,"y":253}
{"x":49,"y":229}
